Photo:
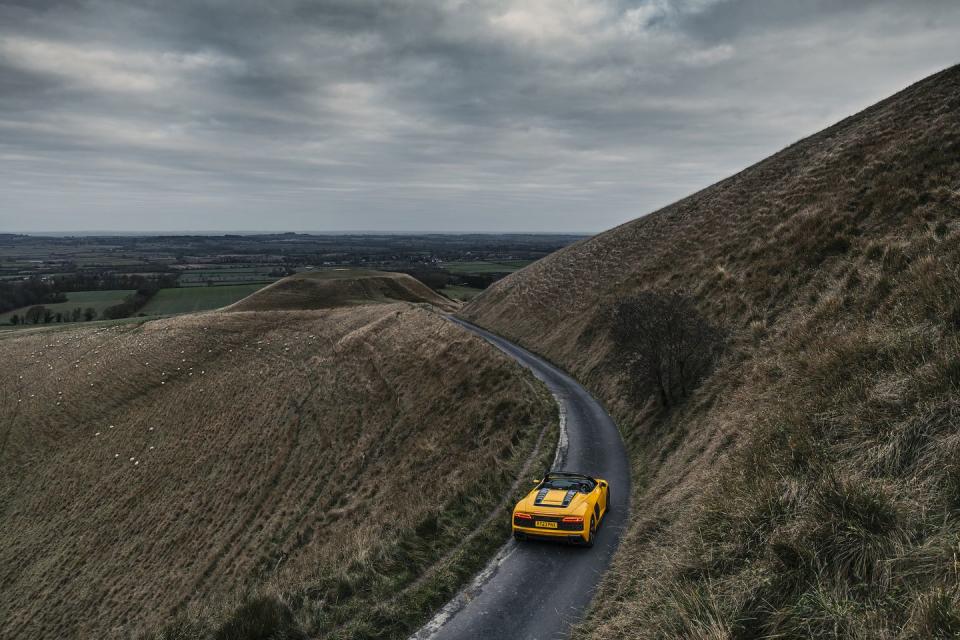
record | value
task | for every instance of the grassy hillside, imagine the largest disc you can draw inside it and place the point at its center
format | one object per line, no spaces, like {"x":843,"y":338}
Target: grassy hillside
{"x":461,"y":293}
{"x":206,"y":475}
{"x":810,"y":486}
{"x":192,"y":299}
{"x":325,"y":289}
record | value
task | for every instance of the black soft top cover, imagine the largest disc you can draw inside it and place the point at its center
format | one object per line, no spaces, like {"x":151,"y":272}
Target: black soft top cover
{"x":567,"y":480}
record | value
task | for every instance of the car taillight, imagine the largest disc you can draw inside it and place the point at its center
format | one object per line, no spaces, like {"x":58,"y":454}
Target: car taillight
{"x":527,"y":516}
{"x":573,"y":519}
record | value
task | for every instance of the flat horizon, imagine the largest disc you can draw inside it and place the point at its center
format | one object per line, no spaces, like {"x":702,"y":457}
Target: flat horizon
{"x":247,"y":232}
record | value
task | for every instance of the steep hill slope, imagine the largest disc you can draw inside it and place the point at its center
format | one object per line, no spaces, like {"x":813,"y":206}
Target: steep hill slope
{"x":228,"y":470}
{"x":810,"y":485}
{"x":327,"y":289}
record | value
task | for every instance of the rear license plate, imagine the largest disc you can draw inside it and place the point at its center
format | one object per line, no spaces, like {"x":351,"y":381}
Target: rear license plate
{"x":546,"y":525}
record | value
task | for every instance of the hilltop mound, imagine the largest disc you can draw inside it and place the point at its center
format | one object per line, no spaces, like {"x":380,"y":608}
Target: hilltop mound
{"x":310,"y":464}
{"x":328,"y":289}
{"x":809,"y":486}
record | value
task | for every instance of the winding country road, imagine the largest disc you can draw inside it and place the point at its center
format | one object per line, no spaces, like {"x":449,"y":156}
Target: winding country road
{"x":534,"y":590}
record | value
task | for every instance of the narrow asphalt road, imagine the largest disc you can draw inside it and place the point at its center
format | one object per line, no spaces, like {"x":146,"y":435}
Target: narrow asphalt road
{"x":537,"y":590}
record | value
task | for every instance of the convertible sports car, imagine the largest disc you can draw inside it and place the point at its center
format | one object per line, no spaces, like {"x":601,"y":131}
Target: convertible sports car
{"x":563,"y":506}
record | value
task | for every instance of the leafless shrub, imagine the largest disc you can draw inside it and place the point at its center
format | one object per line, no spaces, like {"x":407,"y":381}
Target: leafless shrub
{"x":667,"y":345}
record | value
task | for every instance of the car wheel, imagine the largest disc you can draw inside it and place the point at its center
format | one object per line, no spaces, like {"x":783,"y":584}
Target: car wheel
{"x":519,"y":537}
{"x":591,"y":533}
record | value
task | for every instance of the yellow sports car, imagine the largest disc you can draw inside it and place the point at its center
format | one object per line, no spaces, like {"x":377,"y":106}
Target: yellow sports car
{"x":563,"y":506}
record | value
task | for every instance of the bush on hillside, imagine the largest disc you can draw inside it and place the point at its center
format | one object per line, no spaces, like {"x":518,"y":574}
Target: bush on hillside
{"x":666,"y":344}
{"x":258,"y":618}
{"x":264,"y":618}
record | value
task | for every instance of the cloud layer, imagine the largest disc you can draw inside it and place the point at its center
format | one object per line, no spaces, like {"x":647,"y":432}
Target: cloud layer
{"x":540,"y":115}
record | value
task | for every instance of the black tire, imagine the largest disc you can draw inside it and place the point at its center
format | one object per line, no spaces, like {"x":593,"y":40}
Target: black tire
{"x":592,"y":532}
{"x":519,"y":537}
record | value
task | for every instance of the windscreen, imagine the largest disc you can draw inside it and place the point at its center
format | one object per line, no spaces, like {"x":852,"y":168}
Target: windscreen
{"x":583,"y":485}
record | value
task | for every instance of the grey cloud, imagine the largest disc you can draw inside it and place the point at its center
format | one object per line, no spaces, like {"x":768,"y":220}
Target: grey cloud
{"x":445,"y":115}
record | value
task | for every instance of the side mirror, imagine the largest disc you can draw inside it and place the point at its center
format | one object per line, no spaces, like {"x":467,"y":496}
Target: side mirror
{"x":536,"y":481}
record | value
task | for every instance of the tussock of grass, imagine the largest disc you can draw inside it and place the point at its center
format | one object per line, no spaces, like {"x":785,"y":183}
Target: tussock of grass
{"x":262,"y":618}
{"x":810,"y":487}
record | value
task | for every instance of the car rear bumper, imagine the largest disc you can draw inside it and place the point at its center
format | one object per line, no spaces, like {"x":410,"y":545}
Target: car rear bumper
{"x":557,"y":535}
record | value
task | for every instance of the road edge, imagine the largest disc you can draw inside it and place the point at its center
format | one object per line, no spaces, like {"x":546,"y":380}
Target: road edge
{"x":463,"y":596}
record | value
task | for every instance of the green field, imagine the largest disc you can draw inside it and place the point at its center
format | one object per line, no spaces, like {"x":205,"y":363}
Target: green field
{"x":227,"y":270}
{"x":107,"y":261}
{"x":239,"y":274}
{"x":458,"y":292}
{"x":217,"y":282}
{"x":190,"y":299}
{"x":507,"y":266}
{"x":99,"y":300}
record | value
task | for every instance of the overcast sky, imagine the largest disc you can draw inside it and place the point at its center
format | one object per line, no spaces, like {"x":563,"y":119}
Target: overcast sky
{"x":447,"y":115}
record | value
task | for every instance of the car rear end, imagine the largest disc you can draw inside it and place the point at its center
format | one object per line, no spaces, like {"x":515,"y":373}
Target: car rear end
{"x":530,"y":524}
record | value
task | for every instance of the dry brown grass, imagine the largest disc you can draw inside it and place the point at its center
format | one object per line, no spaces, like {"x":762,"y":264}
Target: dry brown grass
{"x":340,"y":288}
{"x":293,"y":466}
{"x":810,"y":486}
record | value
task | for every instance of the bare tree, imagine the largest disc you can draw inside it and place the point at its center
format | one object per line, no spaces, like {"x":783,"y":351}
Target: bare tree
{"x":35,"y":314}
{"x":665,"y":343}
